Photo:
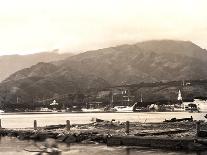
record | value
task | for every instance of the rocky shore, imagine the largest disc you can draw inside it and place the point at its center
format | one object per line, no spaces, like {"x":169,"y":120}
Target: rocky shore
{"x":167,"y":135}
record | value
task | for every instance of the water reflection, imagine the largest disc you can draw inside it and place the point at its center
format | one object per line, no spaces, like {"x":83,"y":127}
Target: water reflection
{"x":11,"y":145}
{"x":127,"y":151}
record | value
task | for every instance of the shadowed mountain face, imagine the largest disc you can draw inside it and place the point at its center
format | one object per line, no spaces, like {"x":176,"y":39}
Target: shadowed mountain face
{"x":9,"y":64}
{"x":149,"y":61}
{"x":143,"y":62}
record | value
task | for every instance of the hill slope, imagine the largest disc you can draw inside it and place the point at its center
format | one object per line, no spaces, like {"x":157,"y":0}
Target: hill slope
{"x":150,"y":61}
{"x":143,"y":62}
{"x":12,"y":63}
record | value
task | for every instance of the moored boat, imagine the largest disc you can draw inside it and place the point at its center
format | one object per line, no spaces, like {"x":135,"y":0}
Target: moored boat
{"x":125,"y":108}
{"x":92,"y":110}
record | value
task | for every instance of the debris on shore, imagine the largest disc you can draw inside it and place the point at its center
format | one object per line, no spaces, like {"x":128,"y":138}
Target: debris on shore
{"x":179,"y":120}
{"x":179,"y":133}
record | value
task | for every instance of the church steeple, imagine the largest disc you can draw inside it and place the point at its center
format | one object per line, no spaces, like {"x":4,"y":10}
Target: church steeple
{"x":179,"y":96}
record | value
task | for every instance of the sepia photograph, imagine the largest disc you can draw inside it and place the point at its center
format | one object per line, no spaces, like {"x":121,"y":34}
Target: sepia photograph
{"x":103,"y":77}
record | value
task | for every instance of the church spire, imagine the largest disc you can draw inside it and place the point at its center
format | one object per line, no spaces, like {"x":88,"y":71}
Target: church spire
{"x":179,"y":96}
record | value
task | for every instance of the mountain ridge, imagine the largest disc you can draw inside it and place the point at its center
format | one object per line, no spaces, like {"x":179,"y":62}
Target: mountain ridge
{"x":12,"y":63}
{"x":98,"y":69}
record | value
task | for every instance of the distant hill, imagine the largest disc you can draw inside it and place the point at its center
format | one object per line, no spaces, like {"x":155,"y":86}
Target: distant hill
{"x":9,"y":64}
{"x":150,"y":61}
{"x":185,"y":48}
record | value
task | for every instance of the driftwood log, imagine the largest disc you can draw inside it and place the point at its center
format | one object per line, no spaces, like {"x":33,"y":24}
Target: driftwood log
{"x":176,"y":131}
{"x":51,"y":127}
{"x":179,"y":120}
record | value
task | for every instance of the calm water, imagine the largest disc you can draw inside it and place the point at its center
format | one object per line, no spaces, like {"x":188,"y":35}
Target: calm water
{"x":10,"y":146}
{"x":26,"y":120}
{"x":13,"y":146}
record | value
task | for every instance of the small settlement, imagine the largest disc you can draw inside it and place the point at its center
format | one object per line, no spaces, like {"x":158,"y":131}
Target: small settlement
{"x":126,"y":105}
{"x":144,"y":97}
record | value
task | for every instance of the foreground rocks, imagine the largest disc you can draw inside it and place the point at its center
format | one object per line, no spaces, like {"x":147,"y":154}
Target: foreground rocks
{"x":168,"y":135}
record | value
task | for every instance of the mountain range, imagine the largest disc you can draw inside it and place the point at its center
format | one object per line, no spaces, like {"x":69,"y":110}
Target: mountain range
{"x":12,"y":63}
{"x":149,"y":61}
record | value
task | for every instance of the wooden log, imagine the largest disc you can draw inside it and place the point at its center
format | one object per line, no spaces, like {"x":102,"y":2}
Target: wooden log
{"x":198,"y":124}
{"x":114,"y":141}
{"x":127,"y":127}
{"x":99,"y":120}
{"x":51,"y":127}
{"x":179,"y":120}
{"x":68,"y":125}
{"x":176,"y":131}
{"x":155,"y":142}
{"x":35,"y":124}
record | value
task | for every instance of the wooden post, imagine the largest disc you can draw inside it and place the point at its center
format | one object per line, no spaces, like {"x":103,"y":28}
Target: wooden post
{"x":198,"y":127}
{"x":0,"y":124}
{"x":35,"y":125}
{"x":68,"y":125}
{"x":127,"y":127}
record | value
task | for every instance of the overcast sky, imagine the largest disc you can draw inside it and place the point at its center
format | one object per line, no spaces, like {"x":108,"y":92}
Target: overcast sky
{"x":28,"y":26}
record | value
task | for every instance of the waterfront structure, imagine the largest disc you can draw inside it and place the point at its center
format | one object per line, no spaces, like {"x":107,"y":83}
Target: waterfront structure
{"x":201,"y":105}
{"x":198,"y":105}
{"x":54,"y":103}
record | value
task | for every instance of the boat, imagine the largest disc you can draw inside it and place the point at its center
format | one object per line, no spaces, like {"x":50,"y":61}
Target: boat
{"x":139,"y":108}
{"x":93,"y":107}
{"x":45,"y":110}
{"x":92,"y":110}
{"x":125,"y":108}
{"x":153,"y":107}
{"x":178,"y":108}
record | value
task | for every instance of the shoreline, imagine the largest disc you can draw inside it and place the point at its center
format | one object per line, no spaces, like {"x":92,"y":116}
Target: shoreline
{"x":163,"y":135}
{"x":20,"y":113}
{"x":22,"y":120}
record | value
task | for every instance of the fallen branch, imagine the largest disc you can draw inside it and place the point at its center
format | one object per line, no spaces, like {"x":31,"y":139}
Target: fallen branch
{"x":50,"y":127}
{"x":179,"y":120}
{"x":176,"y":131}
